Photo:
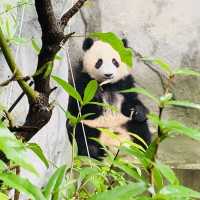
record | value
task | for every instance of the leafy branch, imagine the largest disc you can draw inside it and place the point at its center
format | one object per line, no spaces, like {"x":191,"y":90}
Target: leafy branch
{"x":53,"y":38}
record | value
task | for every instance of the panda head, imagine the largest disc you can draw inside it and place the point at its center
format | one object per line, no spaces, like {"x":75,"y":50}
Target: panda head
{"x":102,"y":62}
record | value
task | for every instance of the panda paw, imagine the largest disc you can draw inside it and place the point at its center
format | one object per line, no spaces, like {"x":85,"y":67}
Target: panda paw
{"x":138,"y":113}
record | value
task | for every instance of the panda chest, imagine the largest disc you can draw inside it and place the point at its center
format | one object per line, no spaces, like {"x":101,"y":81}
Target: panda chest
{"x":111,"y":119}
{"x":111,"y":116}
{"x":114,"y":99}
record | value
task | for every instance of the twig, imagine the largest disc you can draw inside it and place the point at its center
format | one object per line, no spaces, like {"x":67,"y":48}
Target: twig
{"x":14,"y":68}
{"x":16,"y":102}
{"x":8,"y":117}
{"x":71,"y":12}
{"x":66,"y":37}
{"x":140,"y":56}
{"x":17,"y":193}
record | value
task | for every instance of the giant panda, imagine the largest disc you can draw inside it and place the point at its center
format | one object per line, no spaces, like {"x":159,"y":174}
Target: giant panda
{"x":102,"y":63}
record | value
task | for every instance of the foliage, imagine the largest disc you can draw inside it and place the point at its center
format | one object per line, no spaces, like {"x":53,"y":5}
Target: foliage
{"x":142,"y":177}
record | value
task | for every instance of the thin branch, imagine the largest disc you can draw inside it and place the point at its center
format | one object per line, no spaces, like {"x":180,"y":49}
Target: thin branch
{"x":140,"y":56}
{"x":31,"y":94}
{"x":71,"y":12}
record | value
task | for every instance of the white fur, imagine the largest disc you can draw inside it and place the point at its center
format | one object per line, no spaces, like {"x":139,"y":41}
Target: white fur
{"x":113,"y":121}
{"x":104,"y":51}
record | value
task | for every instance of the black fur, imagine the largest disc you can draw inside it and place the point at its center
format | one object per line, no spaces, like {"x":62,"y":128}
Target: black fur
{"x":131,"y":105}
{"x":88,"y":42}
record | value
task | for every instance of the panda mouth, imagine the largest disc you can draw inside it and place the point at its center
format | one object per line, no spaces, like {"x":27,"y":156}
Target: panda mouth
{"x":106,"y":81}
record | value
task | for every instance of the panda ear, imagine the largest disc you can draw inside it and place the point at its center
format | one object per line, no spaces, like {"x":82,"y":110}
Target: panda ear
{"x":125,"y":42}
{"x":88,"y":42}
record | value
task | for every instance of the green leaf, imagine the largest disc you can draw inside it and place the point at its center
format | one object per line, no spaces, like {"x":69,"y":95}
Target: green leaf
{"x":72,"y":119}
{"x":22,"y":185}
{"x":35,"y":46}
{"x":54,"y":183}
{"x":141,"y":91}
{"x":124,"y":192}
{"x":177,"y":127}
{"x":117,"y":44}
{"x":105,"y":105}
{"x":143,"y":198}
{"x":38,"y":151}
{"x":57,"y":57}
{"x":3,"y":166}
{"x":135,"y":152}
{"x":68,"y":88}
{"x":88,"y":171}
{"x":157,"y":179}
{"x":152,"y":149}
{"x":128,"y":169}
{"x":186,"y":104}
{"x":186,"y":72}
{"x":19,"y":40}
{"x":165,"y":99}
{"x":179,"y":191}
{"x":90,"y":91}
{"x":167,"y":172}
{"x":82,"y":117}
{"x":162,"y":64}
{"x":109,"y":133}
{"x":138,"y":138}
{"x":3,"y":196}
{"x":14,"y":149}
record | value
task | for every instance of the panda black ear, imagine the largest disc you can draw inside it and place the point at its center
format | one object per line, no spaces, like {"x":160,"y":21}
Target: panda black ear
{"x":88,"y":42}
{"x":125,"y":42}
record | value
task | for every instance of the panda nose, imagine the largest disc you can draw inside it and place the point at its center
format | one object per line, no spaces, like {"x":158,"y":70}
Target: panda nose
{"x":108,"y":75}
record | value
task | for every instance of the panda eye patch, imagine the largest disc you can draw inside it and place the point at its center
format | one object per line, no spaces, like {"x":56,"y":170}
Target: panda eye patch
{"x":99,"y":63}
{"x":115,"y":62}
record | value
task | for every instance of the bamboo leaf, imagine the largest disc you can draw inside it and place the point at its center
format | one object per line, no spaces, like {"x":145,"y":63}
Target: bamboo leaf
{"x":14,"y":149}
{"x":68,"y":88}
{"x":161,"y":63}
{"x":179,"y":191}
{"x":35,"y":46}
{"x":167,"y":172}
{"x":177,"y":127}
{"x":22,"y":185}
{"x":157,"y":179}
{"x":54,"y":183}
{"x":117,"y":44}
{"x":186,"y":72}
{"x":141,"y":91}
{"x":128,"y":169}
{"x":38,"y":151}
{"x":3,"y":166}
{"x":90,"y":91}
{"x":124,"y":192}
{"x":186,"y":104}
{"x":104,"y":105}
{"x":3,"y":196}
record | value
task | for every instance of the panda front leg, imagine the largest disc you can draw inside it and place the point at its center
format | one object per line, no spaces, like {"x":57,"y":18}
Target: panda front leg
{"x":133,"y":108}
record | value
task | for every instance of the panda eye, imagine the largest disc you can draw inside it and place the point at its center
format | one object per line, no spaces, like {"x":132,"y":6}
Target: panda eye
{"x":99,"y":63}
{"x":115,"y":62}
